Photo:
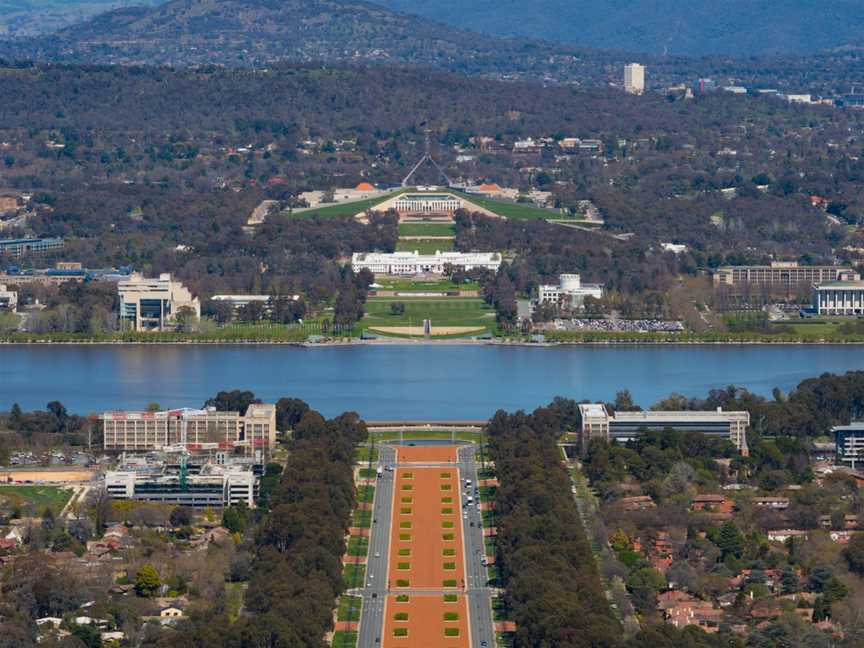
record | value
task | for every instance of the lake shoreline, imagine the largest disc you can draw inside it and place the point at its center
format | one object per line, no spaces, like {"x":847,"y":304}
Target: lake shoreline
{"x":400,"y":379}
{"x":390,"y":342}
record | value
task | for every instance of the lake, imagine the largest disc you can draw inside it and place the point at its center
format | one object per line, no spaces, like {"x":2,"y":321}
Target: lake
{"x":398,"y":382}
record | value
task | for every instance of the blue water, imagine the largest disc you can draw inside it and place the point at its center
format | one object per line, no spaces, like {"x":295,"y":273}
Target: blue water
{"x":387,"y":382}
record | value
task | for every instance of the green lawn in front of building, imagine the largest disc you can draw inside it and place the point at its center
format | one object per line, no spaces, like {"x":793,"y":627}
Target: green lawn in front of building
{"x":32,"y":500}
{"x":424,"y":246}
{"x":441,"y":311}
{"x":426,"y":229}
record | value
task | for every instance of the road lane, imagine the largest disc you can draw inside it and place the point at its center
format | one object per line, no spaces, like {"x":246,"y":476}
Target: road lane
{"x":374,"y":589}
{"x":479,"y":595}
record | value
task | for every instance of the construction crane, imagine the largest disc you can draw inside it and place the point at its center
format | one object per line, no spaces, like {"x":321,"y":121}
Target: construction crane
{"x":182,"y":448}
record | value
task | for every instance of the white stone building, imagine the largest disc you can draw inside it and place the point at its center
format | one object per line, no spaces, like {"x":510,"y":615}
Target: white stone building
{"x":569,"y":291}
{"x":414,"y":263}
{"x":839,"y":298}
{"x":8,"y":298}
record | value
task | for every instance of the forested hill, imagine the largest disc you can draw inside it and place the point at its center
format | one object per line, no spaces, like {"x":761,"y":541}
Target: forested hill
{"x":259,"y":32}
{"x":21,"y":18}
{"x":692,"y":28}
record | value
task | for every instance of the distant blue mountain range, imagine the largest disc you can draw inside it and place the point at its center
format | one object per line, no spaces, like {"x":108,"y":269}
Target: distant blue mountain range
{"x":684,"y":27}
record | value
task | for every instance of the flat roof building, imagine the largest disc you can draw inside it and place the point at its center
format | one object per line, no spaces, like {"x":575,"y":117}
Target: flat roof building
{"x":569,"y":291}
{"x":8,"y":298}
{"x":214,"y":485}
{"x":21,"y":247}
{"x":779,"y":276}
{"x":414,"y":263}
{"x":153,"y":304}
{"x":205,"y":430}
{"x":839,"y":298}
{"x":61,"y":273}
{"x":625,"y":426}
{"x":634,"y":78}
{"x":427,"y":204}
{"x":849,"y":440}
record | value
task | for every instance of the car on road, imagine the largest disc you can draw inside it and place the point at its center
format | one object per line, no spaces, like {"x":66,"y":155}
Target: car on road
{"x":377,"y":554}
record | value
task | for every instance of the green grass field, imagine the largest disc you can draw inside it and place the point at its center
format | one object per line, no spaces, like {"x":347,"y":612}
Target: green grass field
{"x":349,"y":608}
{"x":353,"y":575}
{"x":365,"y":454}
{"x":344,"y":639}
{"x":510,"y":210}
{"x":424,"y":246}
{"x":365,"y":494}
{"x":342,"y":209}
{"x":358,"y":546}
{"x":441,"y":311}
{"x":33,"y":500}
{"x":408,"y":285}
{"x":426,"y":229}
{"x":361,"y":518}
{"x":234,"y":595}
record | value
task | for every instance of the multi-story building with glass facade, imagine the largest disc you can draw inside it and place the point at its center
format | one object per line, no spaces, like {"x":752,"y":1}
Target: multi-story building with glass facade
{"x":597,"y":422}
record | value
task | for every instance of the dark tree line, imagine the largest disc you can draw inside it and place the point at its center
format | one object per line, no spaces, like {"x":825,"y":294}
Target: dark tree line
{"x":552,"y":588}
{"x":296,"y":575}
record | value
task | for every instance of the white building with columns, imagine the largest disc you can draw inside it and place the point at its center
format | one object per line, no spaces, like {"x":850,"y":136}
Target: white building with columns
{"x":839,"y":298}
{"x":414,"y":263}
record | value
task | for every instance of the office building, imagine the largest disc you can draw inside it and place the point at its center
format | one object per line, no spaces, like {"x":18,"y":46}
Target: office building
{"x":785,"y":277}
{"x":206,"y":430}
{"x":569,"y":292}
{"x":153,"y":304}
{"x":61,"y":273}
{"x":214,"y":485}
{"x":17,"y":248}
{"x":414,"y":263}
{"x":849,"y":440}
{"x":839,"y":298}
{"x":634,"y":78}
{"x":8,"y":299}
{"x":625,"y":426}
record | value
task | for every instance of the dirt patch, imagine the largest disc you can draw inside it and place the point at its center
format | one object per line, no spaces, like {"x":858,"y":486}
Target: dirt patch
{"x":425,"y":623}
{"x":47,"y":476}
{"x":436,"y":330}
{"x":426,"y":454}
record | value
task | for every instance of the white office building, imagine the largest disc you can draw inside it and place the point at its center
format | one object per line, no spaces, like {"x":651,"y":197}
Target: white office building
{"x":597,"y":422}
{"x":8,"y":298}
{"x":153,"y":304}
{"x":839,"y":298}
{"x":634,"y":78}
{"x":214,"y":486}
{"x":569,"y":291}
{"x":414,"y":263}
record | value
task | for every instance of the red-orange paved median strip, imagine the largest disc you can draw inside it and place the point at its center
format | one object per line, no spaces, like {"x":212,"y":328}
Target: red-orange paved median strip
{"x":426,"y":454}
{"x":426,"y":509}
{"x":426,"y":622}
{"x":422,"y":513}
